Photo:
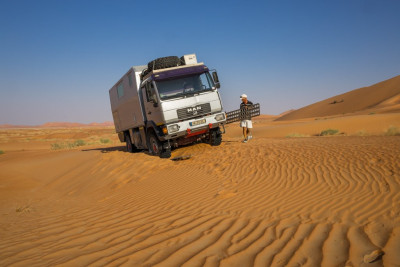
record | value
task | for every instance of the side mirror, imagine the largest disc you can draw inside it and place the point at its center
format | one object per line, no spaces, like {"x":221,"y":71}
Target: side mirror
{"x":154,"y":100}
{"x":216,"y":80}
{"x":215,"y":77}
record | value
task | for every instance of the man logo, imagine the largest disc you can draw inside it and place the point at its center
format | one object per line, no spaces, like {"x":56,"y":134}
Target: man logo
{"x":194,"y":110}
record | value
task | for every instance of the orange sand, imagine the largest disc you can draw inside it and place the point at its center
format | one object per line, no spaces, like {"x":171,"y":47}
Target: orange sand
{"x":275,"y":201}
{"x":74,"y":197}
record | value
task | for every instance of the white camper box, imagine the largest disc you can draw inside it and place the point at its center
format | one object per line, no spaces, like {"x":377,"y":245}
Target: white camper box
{"x":125,"y":101}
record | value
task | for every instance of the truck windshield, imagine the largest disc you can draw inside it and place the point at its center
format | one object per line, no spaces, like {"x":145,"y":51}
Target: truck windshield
{"x":185,"y":86}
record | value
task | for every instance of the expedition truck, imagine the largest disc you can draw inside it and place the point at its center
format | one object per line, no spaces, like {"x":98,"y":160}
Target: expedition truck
{"x":169,"y":102}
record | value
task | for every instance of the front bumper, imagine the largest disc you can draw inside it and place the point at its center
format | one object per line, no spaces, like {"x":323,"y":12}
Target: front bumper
{"x":185,"y":129}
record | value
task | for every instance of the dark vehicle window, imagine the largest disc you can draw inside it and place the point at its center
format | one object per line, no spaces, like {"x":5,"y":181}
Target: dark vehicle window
{"x":120,"y":90}
{"x":150,"y":92}
{"x":184,"y":86}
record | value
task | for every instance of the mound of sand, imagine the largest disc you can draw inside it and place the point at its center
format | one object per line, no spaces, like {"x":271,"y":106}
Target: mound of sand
{"x":378,"y":98}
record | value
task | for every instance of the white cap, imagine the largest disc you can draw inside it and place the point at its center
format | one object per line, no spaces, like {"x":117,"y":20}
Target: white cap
{"x":243,"y":96}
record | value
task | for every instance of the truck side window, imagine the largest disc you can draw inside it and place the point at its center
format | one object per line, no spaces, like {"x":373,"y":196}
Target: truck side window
{"x":120,"y":90}
{"x":153,"y":93}
{"x":150,"y":93}
{"x":130,"y":79}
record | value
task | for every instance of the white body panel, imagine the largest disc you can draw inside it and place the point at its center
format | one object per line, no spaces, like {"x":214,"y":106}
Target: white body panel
{"x":190,"y":59}
{"x":127,"y":108}
{"x":170,"y":107}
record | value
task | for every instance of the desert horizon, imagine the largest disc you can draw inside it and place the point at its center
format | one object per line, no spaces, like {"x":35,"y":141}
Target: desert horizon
{"x":314,"y":191}
{"x":382,"y":97}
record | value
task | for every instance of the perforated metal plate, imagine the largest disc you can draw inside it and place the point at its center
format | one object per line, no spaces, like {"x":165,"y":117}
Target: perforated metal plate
{"x":241,"y":114}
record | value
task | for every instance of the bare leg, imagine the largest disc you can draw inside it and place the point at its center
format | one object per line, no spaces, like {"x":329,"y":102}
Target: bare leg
{"x":245,"y":132}
{"x":248,"y":131}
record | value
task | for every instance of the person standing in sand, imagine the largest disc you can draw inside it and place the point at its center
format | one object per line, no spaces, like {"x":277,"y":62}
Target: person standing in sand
{"x":245,"y":122}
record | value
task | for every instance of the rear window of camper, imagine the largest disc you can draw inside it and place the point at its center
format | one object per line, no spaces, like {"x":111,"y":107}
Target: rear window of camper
{"x":130,"y":79}
{"x":120,"y":90}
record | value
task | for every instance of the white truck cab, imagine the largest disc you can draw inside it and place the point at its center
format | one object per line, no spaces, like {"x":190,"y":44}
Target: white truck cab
{"x":170,"y":102}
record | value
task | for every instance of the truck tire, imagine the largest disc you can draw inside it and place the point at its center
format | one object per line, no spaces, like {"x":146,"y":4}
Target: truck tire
{"x":129,"y":146}
{"x":215,"y":137}
{"x":163,"y":62}
{"x":156,"y":147}
{"x":165,"y":154}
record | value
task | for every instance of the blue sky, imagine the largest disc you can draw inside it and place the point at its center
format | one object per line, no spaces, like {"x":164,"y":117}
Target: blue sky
{"x":58,"y":59}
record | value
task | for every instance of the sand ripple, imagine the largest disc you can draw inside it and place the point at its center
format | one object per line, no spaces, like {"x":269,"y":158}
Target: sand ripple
{"x":271,"y":202}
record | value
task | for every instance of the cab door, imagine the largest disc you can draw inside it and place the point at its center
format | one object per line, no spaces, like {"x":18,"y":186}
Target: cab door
{"x":152,"y":103}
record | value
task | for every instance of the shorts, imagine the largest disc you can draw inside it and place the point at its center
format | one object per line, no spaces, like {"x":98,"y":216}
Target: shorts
{"x":246,"y":123}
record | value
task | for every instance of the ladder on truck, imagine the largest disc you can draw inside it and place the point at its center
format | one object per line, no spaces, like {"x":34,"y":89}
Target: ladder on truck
{"x":240,"y":114}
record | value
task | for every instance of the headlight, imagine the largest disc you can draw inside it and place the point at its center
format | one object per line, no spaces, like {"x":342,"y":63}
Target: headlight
{"x":220,"y":117}
{"x":173,"y":128}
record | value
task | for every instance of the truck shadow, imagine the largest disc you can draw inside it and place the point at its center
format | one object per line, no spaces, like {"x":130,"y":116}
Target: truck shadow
{"x":144,"y":151}
{"x":115,"y":148}
{"x":107,"y":149}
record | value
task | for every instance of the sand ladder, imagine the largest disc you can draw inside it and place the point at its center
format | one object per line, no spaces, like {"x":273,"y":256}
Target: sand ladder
{"x":240,"y":114}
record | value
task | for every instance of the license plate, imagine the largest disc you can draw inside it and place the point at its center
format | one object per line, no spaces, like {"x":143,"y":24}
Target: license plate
{"x":194,"y":123}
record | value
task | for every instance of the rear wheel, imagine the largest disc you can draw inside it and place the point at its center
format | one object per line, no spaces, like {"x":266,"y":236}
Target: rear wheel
{"x":129,"y":146}
{"x":156,"y":147}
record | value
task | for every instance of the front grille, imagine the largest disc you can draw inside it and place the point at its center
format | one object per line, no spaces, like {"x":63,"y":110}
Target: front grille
{"x":194,"y":111}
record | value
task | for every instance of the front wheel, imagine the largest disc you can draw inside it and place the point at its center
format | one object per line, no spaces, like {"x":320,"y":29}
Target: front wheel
{"x":156,"y":148}
{"x":215,"y":137}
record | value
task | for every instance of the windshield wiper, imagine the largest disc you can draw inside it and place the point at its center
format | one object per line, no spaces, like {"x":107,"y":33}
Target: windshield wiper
{"x":171,"y":97}
{"x":186,"y":94}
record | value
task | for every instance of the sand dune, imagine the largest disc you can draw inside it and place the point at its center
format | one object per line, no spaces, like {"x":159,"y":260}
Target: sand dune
{"x":378,"y":98}
{"x":356,"y":125}
{"x":58,"y":125}
{"x":317,"y":201}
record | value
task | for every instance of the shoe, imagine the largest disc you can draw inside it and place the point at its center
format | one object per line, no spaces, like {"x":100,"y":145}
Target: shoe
{"x":249,"y":137}
{"x":244,"y":141}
